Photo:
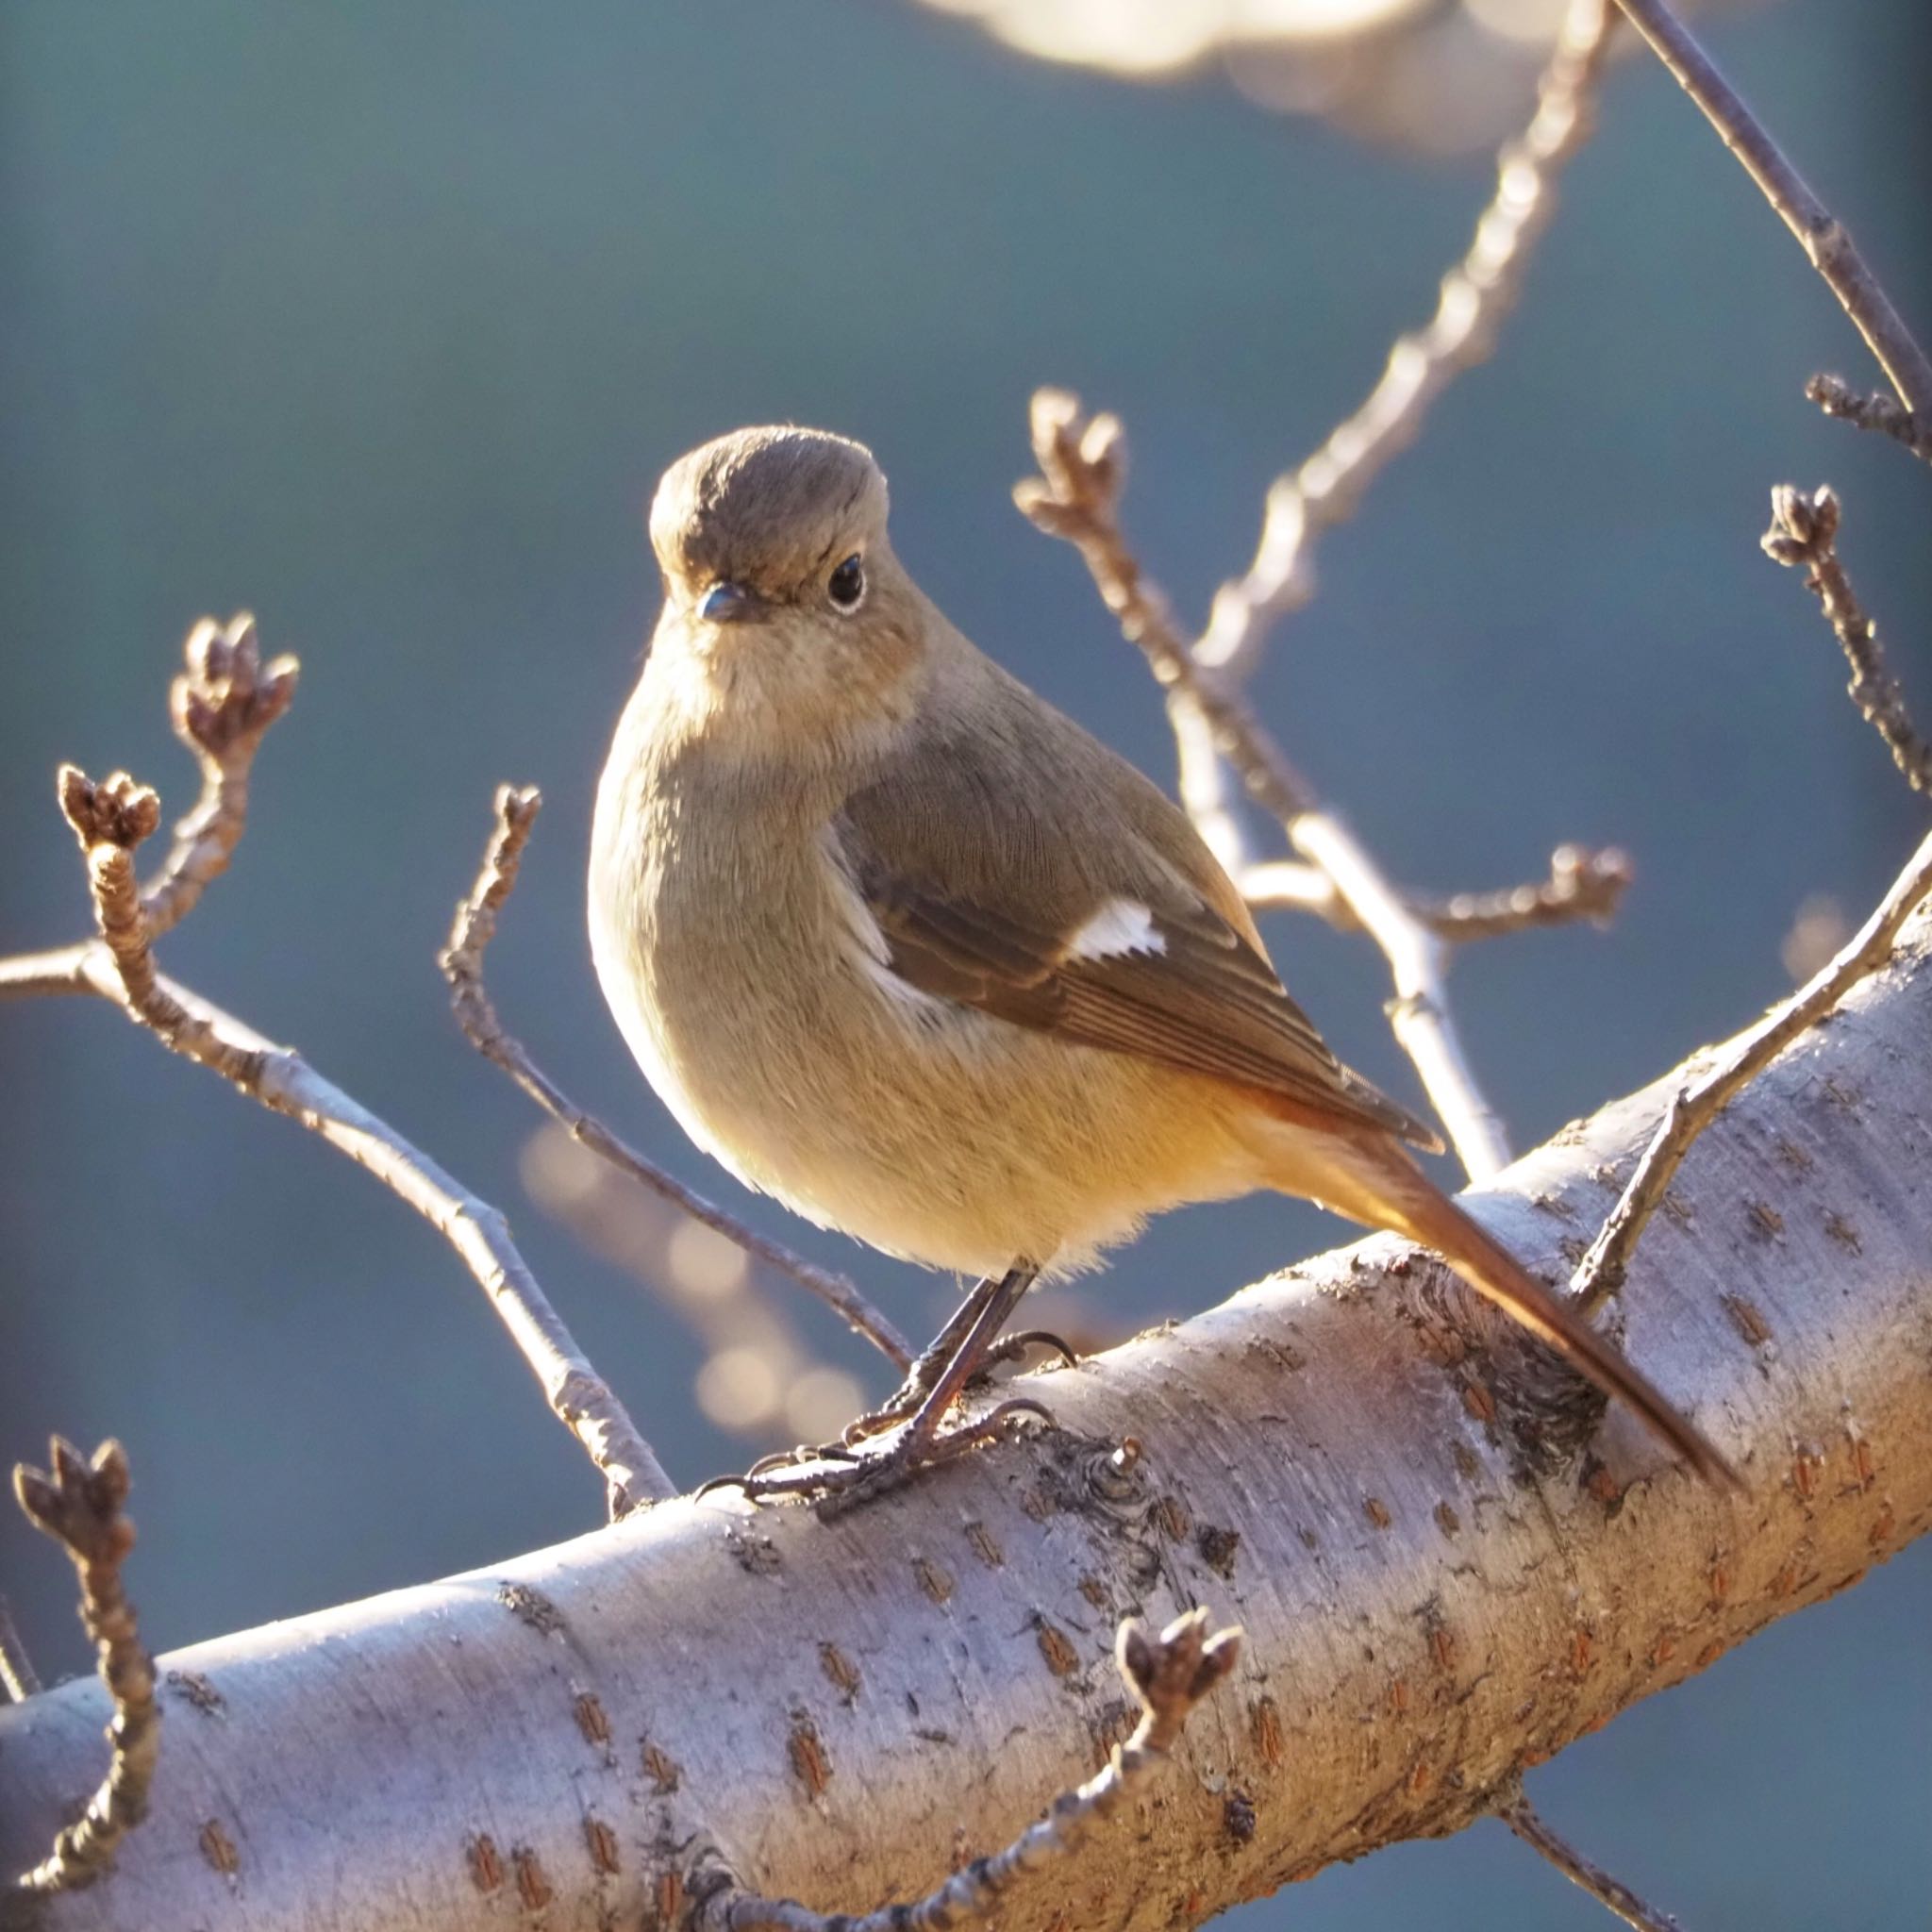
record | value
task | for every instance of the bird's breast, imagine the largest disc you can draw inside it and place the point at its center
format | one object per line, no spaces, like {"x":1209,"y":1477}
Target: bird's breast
{"x":756,"y":994}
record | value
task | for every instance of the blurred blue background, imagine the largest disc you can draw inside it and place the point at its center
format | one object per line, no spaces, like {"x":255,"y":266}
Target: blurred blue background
{"x":382,"y":321}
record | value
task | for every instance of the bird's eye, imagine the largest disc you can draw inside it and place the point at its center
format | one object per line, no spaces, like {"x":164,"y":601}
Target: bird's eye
{"x":846,"y":585}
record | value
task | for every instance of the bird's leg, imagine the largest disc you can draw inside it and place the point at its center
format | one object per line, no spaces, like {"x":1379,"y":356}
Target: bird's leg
{"x":968,"y":1355}
{"x":918,"y":1443}
{"x":934,"y":1360}
{"x":924,"y":1376}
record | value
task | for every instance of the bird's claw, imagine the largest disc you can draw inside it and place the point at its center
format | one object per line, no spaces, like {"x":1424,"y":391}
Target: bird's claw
{"x":904,"y":1402}
{"x":835,"y":1480}
{"x":1012,"y":1348}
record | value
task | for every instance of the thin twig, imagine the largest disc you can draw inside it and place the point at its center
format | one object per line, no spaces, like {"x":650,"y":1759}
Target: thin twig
{"x":1878,"y":412}
{"x":110,"y":820}
{"x":1696,"y":1105}
{"x":1821,"y":235}
{"x":1476,"y":294}
{"x":1075,"y":496}
{"x":1803,"y":533}
{"x":463,"y":966}
{"x":19,"y":1680}
{"x":1522,"y":1818}
{"x":1583,"y":885}
{"x":1168,"y":1677}
{"x":221,"y":706}
{"x":80,"y":1503}
{"x":40,"y":976}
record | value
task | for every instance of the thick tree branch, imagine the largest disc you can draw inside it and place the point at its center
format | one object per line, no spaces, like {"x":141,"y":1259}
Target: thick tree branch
{"x":845,"y":1710}
{"x":1803,"y":534}
{"x":1167,"y":1677}
{"x":463,"y":966}
{"x":81,"y":1504}
{"x":1822,"y":237}
{"x":110,"y":820}
{"x":1076,"y":496}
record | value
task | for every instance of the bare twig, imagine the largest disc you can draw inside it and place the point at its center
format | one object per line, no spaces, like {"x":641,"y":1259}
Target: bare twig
{"x":1522,"y":1818}
{"x":1476,"y":294}
{"x":110,"y":820}
{"x":1075,"y":496}
{"x":463,"y":966}
{"x":1693,"y":1108}
{"x":37,"y":976}
{"x":19,"y":1680}
{"x":1803,"y":532}
{"x":80,"y":1504}
{"x":1168,"y":1677}
{"x":221,"y":706}
{"x":1583,"y":885}
{"x":1878,"y":412}
{"x":1822,"y":237}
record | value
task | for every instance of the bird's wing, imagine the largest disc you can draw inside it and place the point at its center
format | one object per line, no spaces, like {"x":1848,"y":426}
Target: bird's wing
{"x":1041,"y":879}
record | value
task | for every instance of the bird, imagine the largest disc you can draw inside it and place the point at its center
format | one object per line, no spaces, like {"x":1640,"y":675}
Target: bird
{"x":908,"y":949}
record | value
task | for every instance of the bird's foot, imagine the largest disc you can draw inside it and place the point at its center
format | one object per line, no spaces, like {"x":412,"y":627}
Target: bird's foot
{"x":906,"y":1401}
{"x":1012,"y":1348}
{"x":836,"y":1478}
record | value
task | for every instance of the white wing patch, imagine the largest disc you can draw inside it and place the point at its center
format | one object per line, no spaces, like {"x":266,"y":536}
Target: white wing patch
{"x":1121,"y":926}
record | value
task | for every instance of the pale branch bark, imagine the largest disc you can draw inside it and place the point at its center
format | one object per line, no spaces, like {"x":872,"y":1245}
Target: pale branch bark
{"x":1340,"y":1458}
{"x":81,"y":1504}
{"x":1475,"y":296}
{"x":1076,"y":496}
{"x":19,"y":1680}
{"x":110,"y":820}
{"x":1701,"y":1099}
{"x":1166,"y":1675}
{"x":221,"y":708}
{"x":1803,"y":534}
{"x":461,"y":960}
{"x":1582,"y":886}
{"x":1523,"y":1819}
{"x":1880,"y":413}
{"x":1824,"y":237}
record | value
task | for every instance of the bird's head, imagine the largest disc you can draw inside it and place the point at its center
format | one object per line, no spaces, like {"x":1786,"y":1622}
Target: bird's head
{"x":783,"y":602}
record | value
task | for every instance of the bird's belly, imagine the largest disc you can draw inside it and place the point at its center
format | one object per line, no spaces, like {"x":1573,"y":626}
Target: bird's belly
{"x":919,"y":1127}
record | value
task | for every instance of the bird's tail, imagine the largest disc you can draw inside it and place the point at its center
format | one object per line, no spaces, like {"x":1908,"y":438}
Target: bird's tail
{"x":1378,"y":1185}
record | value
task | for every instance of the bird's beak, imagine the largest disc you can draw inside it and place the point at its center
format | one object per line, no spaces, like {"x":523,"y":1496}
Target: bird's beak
{"x":728,"y":603}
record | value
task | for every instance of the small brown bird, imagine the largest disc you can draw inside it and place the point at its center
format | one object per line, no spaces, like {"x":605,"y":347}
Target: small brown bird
{"x":901,"y":946}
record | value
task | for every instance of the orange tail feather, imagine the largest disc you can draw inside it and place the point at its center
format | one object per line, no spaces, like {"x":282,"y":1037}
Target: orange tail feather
{"x":1374,"y":1182}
